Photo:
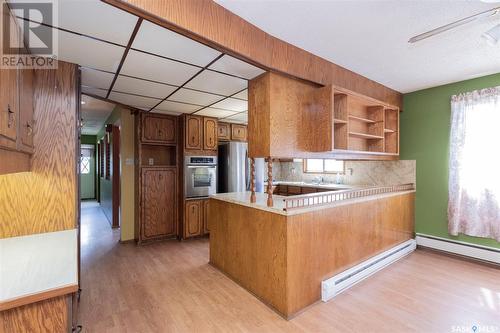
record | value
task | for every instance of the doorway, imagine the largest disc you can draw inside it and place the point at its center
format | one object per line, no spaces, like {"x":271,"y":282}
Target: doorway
{"x":87,"y":172}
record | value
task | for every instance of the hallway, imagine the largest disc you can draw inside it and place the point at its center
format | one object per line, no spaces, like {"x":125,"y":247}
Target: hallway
{"x":170,"y":287}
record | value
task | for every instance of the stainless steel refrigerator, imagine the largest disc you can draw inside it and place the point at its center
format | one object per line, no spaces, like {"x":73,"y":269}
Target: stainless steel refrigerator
{"x":233,"y":167}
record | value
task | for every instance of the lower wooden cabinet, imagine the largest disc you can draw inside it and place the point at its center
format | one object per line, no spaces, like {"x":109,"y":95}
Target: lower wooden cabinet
{"x":195,"y":218}
{"x":158,"y":203}
{"x":206,"y":229}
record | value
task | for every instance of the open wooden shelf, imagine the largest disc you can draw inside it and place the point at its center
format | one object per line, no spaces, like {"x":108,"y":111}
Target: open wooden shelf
{"x":364,"y":125}
{"x":365,"y":120}
{"x":365,"y":135}
{"x":158,"y":155}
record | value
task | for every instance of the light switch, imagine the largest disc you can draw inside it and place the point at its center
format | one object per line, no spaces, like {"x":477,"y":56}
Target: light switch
{"x":151,"y":161}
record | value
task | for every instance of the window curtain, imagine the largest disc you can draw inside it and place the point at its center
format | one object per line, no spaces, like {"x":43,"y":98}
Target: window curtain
{"x":474,"y":179}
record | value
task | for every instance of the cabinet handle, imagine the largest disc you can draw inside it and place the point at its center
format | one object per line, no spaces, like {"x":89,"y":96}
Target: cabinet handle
{"x":160,"y":133}
{"x":10,"y":120}
{"x":29,"y":129}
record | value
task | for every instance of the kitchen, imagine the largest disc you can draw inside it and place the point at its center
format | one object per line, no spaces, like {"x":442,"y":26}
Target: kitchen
{"x":241,"y":182}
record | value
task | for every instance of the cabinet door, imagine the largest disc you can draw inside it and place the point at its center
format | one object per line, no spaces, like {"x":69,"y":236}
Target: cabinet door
{"x":26,"y":108}
{"x":238,"y":132}
{"x":193,"y":223}
{"x":209,"y":133}
{"x":223,"y":131}
{"x":194,"y":129}
{"x":161,"y":129}
{"x":206,"y":230}
{"x":158,"y":203}
{"x":9,"y":112}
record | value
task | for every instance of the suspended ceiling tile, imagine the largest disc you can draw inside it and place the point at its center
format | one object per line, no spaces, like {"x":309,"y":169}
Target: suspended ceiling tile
{"x":156,"y":39}
{"x":194,"y":97}
{"x":238,"y":118}
{"x":75,"y":49}
{"x":217,"y":83}
{"x":242,"y":95}
{"x":96,"y":79}
{"x":155,"y":68}
{"x":176,"y":107}
{"x":142,"y":87}
{"x":217,"y":113}
{"x":132,"y":100}
{"x":94,"y":91}
{"x":232,"y":104}
{"x":231,"y":65}
{"x":91,"y":18}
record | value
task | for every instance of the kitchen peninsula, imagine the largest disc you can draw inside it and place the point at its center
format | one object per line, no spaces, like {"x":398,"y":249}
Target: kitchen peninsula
{"x":282,"y":255}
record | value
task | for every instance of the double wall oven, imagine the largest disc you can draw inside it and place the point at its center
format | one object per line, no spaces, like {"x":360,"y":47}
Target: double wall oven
{"x":200,"y":176}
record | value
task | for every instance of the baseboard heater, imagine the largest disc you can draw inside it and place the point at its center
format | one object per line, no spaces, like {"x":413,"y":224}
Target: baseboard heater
{"x":483,"y":253}
{"x":342,"y":281}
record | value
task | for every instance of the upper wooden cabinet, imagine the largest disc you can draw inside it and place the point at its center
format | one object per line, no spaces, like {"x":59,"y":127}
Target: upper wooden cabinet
{"x":26,"y":122}
{"x":194,"y":132}
{"x":9,"y":102}
{"x":159,"y":129}
{"x":296,"y":119}
{"x":238,"y":132}
{"x":209,"y":133}
{"x":223,"y":131}
{"x":200,"y":132}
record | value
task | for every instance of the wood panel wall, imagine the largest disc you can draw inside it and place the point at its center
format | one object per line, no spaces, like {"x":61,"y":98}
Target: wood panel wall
{"x":45,"y":199}
{"x":49,"y":316}
{"x":212,"y":24}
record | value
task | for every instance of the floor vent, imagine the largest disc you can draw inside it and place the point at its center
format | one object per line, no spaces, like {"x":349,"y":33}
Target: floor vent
{"x":340,"y":282}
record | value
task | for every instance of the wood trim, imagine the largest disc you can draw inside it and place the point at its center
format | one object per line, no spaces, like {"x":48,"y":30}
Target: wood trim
{"x":13,"y":161}
{"x":37,"y":297}
{"x":217,"y":27}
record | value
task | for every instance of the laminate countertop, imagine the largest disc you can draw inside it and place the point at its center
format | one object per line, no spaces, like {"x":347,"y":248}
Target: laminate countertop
{"x":243,"y":198}
{"x":37,"y":267}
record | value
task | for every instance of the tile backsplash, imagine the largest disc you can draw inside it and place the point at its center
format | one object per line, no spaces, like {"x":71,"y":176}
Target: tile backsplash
{"x":373,"y":173}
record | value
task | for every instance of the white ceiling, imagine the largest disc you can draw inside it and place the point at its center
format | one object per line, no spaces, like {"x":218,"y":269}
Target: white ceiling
{"x":162,"y":72}
{"x":94,"y":114}
{"x":370,"y":37}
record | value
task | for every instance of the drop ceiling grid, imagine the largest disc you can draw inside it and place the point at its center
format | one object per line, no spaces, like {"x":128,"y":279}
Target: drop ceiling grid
{"x":192,"y":68}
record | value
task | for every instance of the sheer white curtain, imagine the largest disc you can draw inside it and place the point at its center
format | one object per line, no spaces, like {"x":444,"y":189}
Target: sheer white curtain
{"x":474,"y":183}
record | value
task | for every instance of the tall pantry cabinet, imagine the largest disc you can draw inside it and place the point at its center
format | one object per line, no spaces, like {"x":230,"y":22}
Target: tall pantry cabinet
{"x":156,"y":177}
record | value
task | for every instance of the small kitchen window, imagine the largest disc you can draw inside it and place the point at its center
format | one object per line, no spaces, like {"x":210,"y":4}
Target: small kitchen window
{"x":320,"y":165}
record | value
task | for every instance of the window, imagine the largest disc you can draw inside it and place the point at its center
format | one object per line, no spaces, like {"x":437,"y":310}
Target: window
{"x":474,"y":184}
{"x":319,"y":165}
{"x":84,"y":165}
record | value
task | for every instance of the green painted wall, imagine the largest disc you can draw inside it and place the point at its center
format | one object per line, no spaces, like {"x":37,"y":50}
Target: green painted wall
{"x":425,"y":129}
{"x":88,"y":181}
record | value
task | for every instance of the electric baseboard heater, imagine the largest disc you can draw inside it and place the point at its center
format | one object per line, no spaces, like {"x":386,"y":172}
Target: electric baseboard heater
{"x":342,"y":281}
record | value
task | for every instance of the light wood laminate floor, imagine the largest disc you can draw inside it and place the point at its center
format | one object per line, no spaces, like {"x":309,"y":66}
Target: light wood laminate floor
{"x":170,"y":287}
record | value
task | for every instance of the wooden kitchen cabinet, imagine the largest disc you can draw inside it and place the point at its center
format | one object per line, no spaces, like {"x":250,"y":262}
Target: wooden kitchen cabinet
{"x":194,"y":132}
{"x":223,"y":131}
{"x":158,"y":203}
{"x":26,"y":77}
{"x":9,"y":103}
{"x":193,"y":218}
{"x":159,"y":129}
{"x":206,"y":228}
{"x":238,"y":132}
{"x":209,"y":133}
